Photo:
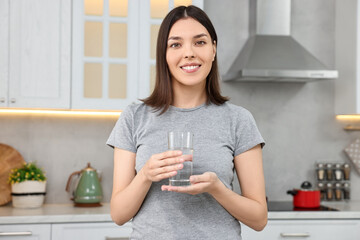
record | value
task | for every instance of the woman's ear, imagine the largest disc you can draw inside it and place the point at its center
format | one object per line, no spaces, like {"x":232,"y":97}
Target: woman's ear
{"x":214,"y":49}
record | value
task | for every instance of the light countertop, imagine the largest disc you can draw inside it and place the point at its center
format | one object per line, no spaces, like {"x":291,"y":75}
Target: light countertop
{"x":347,"y":210}
{"x":67,"y":213}
{"x":55,"y":213}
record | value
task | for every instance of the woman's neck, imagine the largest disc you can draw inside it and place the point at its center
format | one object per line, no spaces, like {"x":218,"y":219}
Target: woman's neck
{"x":188,"y":97}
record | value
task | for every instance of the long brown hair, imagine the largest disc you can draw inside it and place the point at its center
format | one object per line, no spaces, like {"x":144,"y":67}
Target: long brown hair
{"x":162,"y":96}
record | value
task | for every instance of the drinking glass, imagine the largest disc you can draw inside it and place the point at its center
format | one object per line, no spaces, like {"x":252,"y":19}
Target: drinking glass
{"x":182,"y":141}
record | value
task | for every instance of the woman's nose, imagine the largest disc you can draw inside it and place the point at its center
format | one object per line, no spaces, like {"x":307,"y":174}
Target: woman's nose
{"x":189,"y":52}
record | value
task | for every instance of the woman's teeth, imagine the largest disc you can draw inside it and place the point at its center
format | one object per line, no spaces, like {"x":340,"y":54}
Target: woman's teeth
{"x":190,"y":67}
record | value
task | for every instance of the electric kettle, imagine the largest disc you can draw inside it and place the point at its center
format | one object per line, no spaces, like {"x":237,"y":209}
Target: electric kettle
{"x":87,"y":191}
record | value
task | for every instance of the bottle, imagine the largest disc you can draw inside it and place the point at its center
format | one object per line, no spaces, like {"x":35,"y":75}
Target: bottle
{"x":329,"y":191}
{"x":321,"y":187}
{"x":346,"y":169}
{"x":346,"y":189}
{"x":338,"y":192}
{"x":329,"y":172}
{"x":338,"y":172}
{"x":320,"y":172}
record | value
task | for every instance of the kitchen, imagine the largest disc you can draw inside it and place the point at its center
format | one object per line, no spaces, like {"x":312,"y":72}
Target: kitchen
{"x":302,"y":114}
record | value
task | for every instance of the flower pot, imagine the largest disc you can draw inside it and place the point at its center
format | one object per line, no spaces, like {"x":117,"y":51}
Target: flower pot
{"x":28,"y":194}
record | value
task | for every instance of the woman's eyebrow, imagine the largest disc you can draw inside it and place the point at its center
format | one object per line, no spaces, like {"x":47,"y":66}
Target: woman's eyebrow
{"x":200,"y":35}
{"x":195,"y":37}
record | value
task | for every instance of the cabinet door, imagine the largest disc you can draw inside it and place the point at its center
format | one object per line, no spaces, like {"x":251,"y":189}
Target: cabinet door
{"x":114,"y":45}
{"x":306,"y":229}
{"x":40,"y":41}
{"x":25,"y":232}
{"x":4,"y":53}
{"x":90,"y":231}
{"x":105,"y":54}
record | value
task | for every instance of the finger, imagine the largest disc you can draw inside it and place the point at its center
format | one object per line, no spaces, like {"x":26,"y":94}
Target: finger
{"x":205,"y":177}
{"x":168,"y":154}
{"x":162,"y":176}
{"x":171,"y":161}
{"x":187,"y":157}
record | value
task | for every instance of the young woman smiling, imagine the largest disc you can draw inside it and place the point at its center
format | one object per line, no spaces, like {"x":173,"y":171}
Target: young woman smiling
{"x":226,"y":139}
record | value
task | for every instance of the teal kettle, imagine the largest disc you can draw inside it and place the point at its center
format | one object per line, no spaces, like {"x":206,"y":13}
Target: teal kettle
{"x":87,"y":191}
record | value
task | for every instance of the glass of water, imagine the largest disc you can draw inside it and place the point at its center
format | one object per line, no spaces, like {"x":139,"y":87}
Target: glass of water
{"x":182,"y":141}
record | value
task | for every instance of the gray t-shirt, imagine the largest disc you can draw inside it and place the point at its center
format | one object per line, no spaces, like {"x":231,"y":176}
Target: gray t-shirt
{"x":220,"y":133}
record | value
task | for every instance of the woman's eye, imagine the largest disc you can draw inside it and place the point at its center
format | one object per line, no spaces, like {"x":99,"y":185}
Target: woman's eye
{"x":175,"y":45}
{"x":200,"y":42}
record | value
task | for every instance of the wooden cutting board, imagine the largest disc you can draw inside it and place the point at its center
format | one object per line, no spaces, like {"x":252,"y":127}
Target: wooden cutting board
{"x":9,"y":159}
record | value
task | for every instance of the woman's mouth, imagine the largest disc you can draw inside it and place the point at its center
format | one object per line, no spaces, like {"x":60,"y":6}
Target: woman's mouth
{"x":190,"y":68}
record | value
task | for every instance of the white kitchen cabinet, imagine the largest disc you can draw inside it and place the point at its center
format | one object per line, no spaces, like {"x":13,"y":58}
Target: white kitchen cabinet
{"x":113,"y":54}
{"x":305,"y":229}
{"x":347,"y":57}
{"x":90,"y":231}
{"x":35,"y":43}
{"x":25,"y":232}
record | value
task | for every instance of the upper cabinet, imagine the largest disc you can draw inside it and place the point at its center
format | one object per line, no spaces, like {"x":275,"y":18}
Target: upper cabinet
{"x":347,"y":40}
{"x":35,"y":43}
{"x":114,"y":48}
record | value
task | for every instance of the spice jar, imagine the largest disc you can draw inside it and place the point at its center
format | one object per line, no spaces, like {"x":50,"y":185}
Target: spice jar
{"x":321,"y":187}
{"x":338,"y":191}
{"x":329,"y":192}
{"x":346,"y":169}
{"x":320,"y":172}
{"x":346,"y":189}
{"x":329,"y":171}
{"x":338,"y":172}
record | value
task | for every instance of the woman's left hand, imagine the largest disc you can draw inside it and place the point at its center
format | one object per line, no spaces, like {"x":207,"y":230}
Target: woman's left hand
{"x":206,"y":182}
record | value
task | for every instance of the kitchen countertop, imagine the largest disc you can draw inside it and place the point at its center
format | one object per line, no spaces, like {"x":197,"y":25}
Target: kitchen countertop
{"x":67,"y":213}
{"x":347,"y":210}
{"x":55,"y":213}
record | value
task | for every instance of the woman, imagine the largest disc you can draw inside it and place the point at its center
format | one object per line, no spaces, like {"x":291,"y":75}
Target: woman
{"x":187,"y":97}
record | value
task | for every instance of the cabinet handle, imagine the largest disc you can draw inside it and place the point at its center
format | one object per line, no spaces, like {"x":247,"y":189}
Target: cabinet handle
{"x":117,"y":238}
{"x":13,"y":100}
{"x":294,"y":235}
{"x":28,"y":233}
{"x":2,"y":100}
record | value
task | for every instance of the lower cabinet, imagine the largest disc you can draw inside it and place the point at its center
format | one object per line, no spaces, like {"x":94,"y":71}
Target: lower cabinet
{"x":25,"y":232}
{"x":65,"y":231}
{"x":90,"y":231}
{"x":305,"y":229}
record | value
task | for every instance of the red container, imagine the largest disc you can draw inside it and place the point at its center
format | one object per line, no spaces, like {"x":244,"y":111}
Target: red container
{"x":305,"y":197}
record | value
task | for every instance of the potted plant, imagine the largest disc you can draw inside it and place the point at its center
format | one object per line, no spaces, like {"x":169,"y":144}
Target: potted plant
{"x":28,"y":186}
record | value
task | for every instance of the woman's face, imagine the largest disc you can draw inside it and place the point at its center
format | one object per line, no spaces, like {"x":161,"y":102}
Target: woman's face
{"x":190,"y":53}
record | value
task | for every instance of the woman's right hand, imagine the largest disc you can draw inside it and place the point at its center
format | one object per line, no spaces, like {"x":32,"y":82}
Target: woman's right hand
{"x":163,"y":165}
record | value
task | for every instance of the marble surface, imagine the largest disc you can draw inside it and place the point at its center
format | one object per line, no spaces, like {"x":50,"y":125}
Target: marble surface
{"x":347,"y":210}
{"x":54,"y":213}
{"x":67,"y":213}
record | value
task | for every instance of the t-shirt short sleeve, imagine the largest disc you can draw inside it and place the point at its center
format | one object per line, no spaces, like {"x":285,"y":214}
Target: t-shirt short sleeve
{"x":247,"y":134}
{"x":122,"y":134}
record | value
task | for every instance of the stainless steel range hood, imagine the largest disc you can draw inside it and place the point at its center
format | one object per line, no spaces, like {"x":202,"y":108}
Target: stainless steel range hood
{"x":272,"y":54}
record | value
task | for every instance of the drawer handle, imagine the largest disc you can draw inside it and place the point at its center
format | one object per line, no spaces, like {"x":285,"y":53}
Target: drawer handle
{"x":28,"y":233}
{"x":294,"y":235}
{"x":117,"y":238}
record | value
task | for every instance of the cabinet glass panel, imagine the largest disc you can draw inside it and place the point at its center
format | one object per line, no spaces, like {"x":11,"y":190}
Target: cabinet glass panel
{"x":152,"y":77}
{"x":118,"y":8}
{"x":93,"y":39}
{"x":118,"y":40}
{"x":93,"y":7}
{"x":159,"y":8}
{"x":92,"y":80}
{"x":182,"y":3}
{"x":117,"y":81}
{"x":153,"y":39}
